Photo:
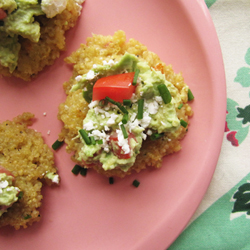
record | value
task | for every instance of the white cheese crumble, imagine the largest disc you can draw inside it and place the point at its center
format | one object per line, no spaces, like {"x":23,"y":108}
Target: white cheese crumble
{"x":109,"y":63}
{"x":53,"y":7}
{"x":112,"y":118}
{"x":89,"y":125}
{"x":4,"y":184}
{"x":78,"y":78}
{"x":122,"y":142}
{"x":90,"y":75}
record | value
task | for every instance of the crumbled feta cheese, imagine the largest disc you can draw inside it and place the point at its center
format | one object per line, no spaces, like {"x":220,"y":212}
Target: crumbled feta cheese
{"x":4,"y":184}
{"x":93,"y":104}
{"x":149,"y":132}
{"x":109,"y":63}
{"x":122,"y":142}
{"x":144,"y":136}
{"x":112,"y":118}
{"x":56,"y":179}
{"x":153,"y":107}
{"x":78,"y":78}
{"x":90,"y":75}
{"x":158,"y":99}
{"x":145,"y":121}
{"x":89,"y":125}
{"x":53,"y":7}
{"x":134,"y":98}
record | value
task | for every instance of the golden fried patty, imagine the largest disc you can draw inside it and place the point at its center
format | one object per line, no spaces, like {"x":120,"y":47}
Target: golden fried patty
{"x":74,"y":109}
{"x":24,"y":153}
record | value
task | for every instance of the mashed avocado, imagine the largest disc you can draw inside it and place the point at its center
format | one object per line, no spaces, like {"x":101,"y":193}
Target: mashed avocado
{"x":20,"y":21}
{"x":104,"y":121}
{"x":8,"y":193}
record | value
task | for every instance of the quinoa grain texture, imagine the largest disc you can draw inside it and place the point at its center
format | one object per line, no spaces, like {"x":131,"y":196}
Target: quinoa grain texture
{"x":33,"y":57}
{"x":74,"y":109}
{"x":24,"y":153}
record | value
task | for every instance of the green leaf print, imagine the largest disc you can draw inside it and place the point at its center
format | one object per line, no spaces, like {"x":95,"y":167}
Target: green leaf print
{"x":244,"y":113}
{"x":234,"y":124}
{"x":209,"y":3}
{"x":243,"y":74}
{"x":243,"y":77}
{"x":241,"y":201}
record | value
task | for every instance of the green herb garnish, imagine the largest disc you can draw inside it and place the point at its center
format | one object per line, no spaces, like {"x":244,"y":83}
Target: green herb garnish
{"x":76,"y":169}
{"x":57,"y":144}
{"x":156,"y":136}
{"x":140,"y":109}
{"x":83,"y":171}
{"x":20,"y":195}
{"x":137,"y":71}
{"x":136,"y":183}
{"x":111,"y":180}
{"x":125,"y":118}
{"x":164,"y":92}
{"x":28,"y":216}
{"x":190,"y":95}
{"x":125,"y":134}
{"x":180,"y":106}
{"x":127,"y":102}
{"x":84,"y":136}
{"x":183,"y":123}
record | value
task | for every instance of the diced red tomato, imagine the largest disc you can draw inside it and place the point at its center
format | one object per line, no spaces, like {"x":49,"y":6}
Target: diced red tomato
{"x":5,"y":171}
{"x":2,"y":14}
{"x":116,"y":87}
{"x":117,"y":150}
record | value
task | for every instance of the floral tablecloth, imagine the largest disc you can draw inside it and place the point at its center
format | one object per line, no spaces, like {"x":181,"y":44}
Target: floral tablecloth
{"x":222,"y":219}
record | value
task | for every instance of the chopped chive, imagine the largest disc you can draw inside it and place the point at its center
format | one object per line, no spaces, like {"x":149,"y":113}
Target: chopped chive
{"x":85,"y":137}
{"x":57,"y":144}
{"x":180,"y":106}
{"x":83,"y":171}
{"x":125,"y":134}
{"x":127,"y":102}
{"x":122,"y":108}
{"x":125,"y":118}
{"x":20,"y":195}
{"x":137,"y":71}
{"x":76,"y":169}
{"x":156,"y":136}
{"x":102,"y":103}
{"x":140,"y":109}
{"x":190,"y":95}
{"x":100,"y":141}
{"x":87,"y":95}
{"x":136,"y":183}
{"x":111,"y":100}
{"x":183,"y":123}
{"x":92,"y":139}
{"x":164,"y":92}
{"x":111,"y":180}
{"x":28,"y":216}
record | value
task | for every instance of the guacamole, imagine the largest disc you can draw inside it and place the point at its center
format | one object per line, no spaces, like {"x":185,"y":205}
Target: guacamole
{"x":21,"y":22}
{"x":104,"y":123}
{"x":8,"y":193}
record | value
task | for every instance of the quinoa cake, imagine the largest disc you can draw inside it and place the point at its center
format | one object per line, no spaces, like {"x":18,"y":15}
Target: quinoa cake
{"x":103,"y":58}
{"x":32,"y":34}
{"x":30,"y":162}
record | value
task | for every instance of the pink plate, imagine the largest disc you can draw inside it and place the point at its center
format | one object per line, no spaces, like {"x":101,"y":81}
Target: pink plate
{"x":89,"y":213}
